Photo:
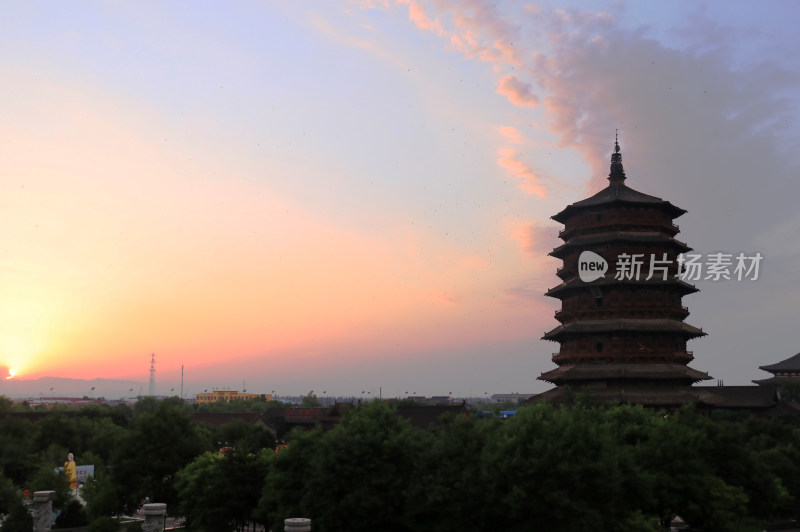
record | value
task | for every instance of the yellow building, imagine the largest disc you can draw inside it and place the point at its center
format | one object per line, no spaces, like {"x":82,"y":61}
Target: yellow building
{"x":229,"y":395}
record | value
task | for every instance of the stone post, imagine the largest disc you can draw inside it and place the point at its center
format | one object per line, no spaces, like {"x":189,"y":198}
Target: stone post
{"x":42,"y":510}
{"x":154,"y":515}
{"x":297,"y":524}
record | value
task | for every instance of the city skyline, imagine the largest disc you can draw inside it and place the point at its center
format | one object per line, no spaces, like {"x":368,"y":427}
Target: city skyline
{"x":346,"y":195}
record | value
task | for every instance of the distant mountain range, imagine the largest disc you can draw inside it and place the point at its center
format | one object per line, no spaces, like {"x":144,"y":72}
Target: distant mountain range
{"x":61,"y":387}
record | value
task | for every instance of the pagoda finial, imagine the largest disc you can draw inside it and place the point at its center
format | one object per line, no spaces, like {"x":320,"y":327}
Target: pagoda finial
{"x":617,"y":174}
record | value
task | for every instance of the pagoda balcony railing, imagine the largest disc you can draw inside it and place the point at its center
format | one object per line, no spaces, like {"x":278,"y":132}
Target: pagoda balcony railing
{"x":599,"y":313}
{"x":554,"y":355}
{"x":675,"y":227}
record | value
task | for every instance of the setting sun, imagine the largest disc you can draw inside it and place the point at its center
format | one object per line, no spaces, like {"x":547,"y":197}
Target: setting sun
{"x":11,"y":373}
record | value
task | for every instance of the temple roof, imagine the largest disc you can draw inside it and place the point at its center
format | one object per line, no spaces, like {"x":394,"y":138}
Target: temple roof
{"x":729,"y":397}
{"x":790,"y":364}
{"x":620,"y":194}
{"x":625,"y":236}
{"x":606,"y":372}
{"x":610,"y":280}
{"x":624,"y":324}
{"x":742,"y":397}
{"x":617,"y":193}
{"x":776,"y":380}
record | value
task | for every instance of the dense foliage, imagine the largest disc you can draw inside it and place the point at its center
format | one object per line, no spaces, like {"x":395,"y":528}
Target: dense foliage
{"x":579,"y":468}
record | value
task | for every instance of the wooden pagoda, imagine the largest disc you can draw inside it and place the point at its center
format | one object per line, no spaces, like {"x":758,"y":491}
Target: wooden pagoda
{"x":622,"y":336}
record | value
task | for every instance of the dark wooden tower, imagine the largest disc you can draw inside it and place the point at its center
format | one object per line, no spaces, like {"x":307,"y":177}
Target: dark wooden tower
{"x":622,"y":336}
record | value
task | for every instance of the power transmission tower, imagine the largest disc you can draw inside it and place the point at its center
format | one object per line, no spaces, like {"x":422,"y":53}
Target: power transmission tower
{"x":152,"y":375}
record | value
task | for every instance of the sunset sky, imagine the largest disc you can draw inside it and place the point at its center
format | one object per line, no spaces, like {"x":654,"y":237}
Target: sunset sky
{"x":356,"y":196}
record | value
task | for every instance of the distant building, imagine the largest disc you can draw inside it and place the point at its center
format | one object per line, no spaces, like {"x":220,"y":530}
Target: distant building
{"x":228,"y":395}
{"x":783,"y":372}
{"x":51,"y":401}
{"x":515,"y":397}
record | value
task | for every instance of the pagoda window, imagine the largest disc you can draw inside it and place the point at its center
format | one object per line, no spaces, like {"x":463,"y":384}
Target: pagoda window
{"x":598,"y":347}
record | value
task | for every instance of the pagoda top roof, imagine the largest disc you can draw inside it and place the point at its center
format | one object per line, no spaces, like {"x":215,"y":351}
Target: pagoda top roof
{"x":617,"y":193}
{"x":790,"y":364}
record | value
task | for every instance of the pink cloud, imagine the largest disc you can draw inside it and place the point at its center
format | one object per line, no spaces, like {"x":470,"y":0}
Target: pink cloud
{"x":536,"y":240}
{"x":511,"y":133}
{"x":531,"y":181}
{"x":417,"y":15}
{"x":516,"y":91}
{"x":370,"y":4}
{"x":507,"y":52}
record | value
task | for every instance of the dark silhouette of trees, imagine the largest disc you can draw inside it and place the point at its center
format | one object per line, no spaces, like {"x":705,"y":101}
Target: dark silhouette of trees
{"x":162,"y":440}
{"x":221,"y":491}
{"x":581,"y":467}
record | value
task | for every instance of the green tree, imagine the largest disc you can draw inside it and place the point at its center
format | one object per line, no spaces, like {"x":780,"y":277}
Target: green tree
{"x":238,"y":476}
{"x":215,"y":406}
{"x":72,"y":515}
{"x":285,"y":491}
{"x":104,"y":439}
{"x":447,"y":491}
{"x":310,"y":400}
{"x":122,"y":415}
{"x":245,"y":437}
{"x":105,"y":524}
{"x":9,"y":496}
{"x":47,"y":478}
{"x":6,"y":404}
{"x":18,"y":459}
{"x":161,"y":443}
{"x":61,"y":431}
{"x":361,"y":471}
{"x":18,"y":519}
{"x":556,"y":469}
{"x":102,"y":496}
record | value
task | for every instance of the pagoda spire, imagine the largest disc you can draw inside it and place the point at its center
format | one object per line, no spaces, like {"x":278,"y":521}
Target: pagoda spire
{"x":617,"y":174}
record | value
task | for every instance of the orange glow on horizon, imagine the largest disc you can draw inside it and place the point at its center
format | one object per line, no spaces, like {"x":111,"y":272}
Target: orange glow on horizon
{"x":172,"y":253}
